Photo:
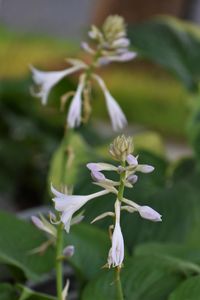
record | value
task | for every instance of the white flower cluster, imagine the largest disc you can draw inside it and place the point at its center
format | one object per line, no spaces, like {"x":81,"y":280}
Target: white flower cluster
{"x":67,"y":205}
{"x":111,"y":44}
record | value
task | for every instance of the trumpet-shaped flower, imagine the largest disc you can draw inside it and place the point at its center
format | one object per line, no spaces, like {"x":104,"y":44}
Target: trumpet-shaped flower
{"x":74,"y":114}
{"x":116,"y":253}
{"x":47,"y":80}
{"x":117,"y":117}
{"x":67,"y":205}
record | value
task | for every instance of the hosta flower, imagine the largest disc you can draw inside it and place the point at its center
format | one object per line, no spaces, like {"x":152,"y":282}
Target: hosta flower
{"x":116,"y":253}
{"x":74,"y":114}
{"x":117,"y":116}
{"x":149,"y":213}
{"x":47,"y":80}
{"x":67,"y":205}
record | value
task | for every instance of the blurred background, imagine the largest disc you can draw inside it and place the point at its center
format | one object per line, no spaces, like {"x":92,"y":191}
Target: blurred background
{"x":154,"y":95}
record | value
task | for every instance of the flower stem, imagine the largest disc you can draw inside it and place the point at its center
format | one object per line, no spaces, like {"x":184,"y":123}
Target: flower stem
{"x":119,"y":285}
{"x":59,"y":249}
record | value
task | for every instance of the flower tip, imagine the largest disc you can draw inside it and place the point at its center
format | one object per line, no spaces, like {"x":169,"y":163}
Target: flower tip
{"x":132,"y":160}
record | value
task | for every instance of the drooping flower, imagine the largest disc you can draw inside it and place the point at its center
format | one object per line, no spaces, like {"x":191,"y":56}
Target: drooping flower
{"x":67,"y":205}
{"x":117,"y":116}
{"x":74,"y":114}
{"x":116,"y":253}
{"x":47,"y":80}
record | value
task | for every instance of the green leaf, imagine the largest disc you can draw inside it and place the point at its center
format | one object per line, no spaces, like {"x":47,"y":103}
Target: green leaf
{"x":17,"y":239}
{"x":188,"y":290}
{"x":7,"y":292}
{"x":91,"y":249}
{"x":72,"y":153}
{"x":173,"y":44}
{"x":185,"y":258}
{"x":142,"y":278}
{"x":28,"y":294}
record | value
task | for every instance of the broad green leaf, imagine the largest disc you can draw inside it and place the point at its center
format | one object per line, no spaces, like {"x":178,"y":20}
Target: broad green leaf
{"x":28,"y":294}
{"x":17,"y":239}
{"x":67,"y":160}
{"x":188,"y":290}
{"x":184,"y":258}
{"x":172,"y":43}
{"x":7,"y":292}
{"x":142,"y":279}
{"x":91,"y":249}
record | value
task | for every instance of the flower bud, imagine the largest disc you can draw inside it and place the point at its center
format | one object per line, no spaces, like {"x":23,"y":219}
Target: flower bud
{"x":145,"y":168}
{"x":132,"y":179}
{"x":121,"y":147}
{"x":97,"y":176}
{"x":149,"y":213}
{"x":114,"y":28}
{"x":132,"y":160}
{"x":69,"y":251}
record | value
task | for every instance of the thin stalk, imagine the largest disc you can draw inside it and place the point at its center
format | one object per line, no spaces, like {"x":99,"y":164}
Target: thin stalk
{"x":120,"y":295}
{"x":59,"y":268}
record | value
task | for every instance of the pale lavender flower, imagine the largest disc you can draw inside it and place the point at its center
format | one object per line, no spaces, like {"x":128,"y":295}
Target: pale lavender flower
{"x":69,"y":251}
{"x":117,"y":117}
{"x":47,"y":80}
{"x":149,"y":213}
{"x":97,"y":176}
{"x":116,"y":253}
{"x":145,"y":168}
{"x":101,"y":167}
{"x":44,"y":225}
{"x":132,"y":179}
{"x":67,"y":205}
{"x":132,"y":160}
{"x":74,"y":114}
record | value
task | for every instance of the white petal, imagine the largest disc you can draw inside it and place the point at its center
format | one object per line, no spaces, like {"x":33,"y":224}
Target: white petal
{"x":47,"y":80}
{"x":74,"y":114}
{"x":118,"y":118}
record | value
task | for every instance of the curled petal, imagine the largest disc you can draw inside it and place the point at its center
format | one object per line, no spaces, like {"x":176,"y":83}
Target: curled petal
{"x":118,"y":118}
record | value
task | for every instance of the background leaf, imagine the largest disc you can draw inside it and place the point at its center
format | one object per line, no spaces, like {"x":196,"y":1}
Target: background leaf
{"x":188,"y":290}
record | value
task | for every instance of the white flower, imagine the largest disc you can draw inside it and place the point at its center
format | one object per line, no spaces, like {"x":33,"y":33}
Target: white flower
{"x":116,"y":253}
{"x":101,"y":167}
{"x":149,"y":213}
{"x":46,"y":80}
{"x":44,"y":225}
{"x":118,"y":118}
{"x":74,"y":114}
{"x":69,"y":204}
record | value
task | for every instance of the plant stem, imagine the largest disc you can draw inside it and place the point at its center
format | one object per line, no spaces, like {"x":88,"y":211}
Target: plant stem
{"x":119,"y":285}
{"x":59,"y":249}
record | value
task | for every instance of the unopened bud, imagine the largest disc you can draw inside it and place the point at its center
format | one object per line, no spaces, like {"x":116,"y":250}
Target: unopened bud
{"x":132,"y":160}
{"x":114,"y":28}
{"x":145,"y":168}
{"x":149,"y":213}
{"x":97,"y":176}
{"x":69,"y":251}
{"x":132,"y":179}
{"x":121,"y":147}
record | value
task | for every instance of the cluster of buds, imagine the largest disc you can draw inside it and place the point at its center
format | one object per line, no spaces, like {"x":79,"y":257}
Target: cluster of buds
{"x":110,"y":44}
{"x":121,"y":149}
